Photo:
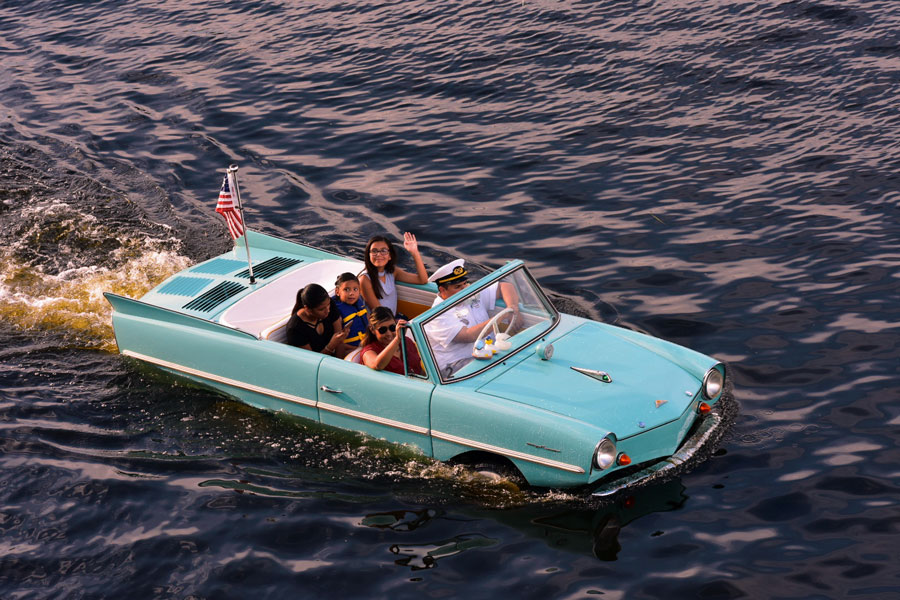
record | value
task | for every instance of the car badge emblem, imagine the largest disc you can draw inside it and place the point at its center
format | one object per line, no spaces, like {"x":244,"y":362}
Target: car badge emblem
{"x":660,"y":403}
{"x":598,"y":375}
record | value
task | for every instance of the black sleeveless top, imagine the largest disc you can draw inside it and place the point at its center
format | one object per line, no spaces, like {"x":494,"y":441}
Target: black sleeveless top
{"x":300,"y":333}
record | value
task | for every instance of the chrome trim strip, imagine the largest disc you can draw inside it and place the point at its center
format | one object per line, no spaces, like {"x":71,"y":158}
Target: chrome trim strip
{"x":468,"y":293}
{"x":232,"y":382}
{"x":276,"y":394}
{"x":540,"y":447}
{"x":372,"y":418}
{"x":598,"y":375}
{"x":356,"y":414}
{"x":505,"y":452}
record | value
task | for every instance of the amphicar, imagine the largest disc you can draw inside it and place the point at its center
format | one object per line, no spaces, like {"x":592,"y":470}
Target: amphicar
{"x":559,"y":401}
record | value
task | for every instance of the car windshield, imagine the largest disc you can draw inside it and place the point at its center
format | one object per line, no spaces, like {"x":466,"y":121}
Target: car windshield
{"x":488,"y":324}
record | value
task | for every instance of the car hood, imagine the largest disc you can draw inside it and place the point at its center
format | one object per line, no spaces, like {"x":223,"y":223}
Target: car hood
{"x":648,"y":388}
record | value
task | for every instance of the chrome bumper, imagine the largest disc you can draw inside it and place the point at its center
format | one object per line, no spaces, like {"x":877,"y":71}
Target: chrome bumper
{"x":709,"y":427}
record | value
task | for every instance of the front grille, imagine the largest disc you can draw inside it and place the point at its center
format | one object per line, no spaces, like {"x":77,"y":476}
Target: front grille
{"x":214,"y":297}
{"x":270,"y":267}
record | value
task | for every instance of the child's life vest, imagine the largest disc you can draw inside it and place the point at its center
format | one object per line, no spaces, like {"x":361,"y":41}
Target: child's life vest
{"x":357,"y":316}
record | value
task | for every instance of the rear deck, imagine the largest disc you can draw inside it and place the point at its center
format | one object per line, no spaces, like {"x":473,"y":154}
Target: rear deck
{"x":219,"y":289}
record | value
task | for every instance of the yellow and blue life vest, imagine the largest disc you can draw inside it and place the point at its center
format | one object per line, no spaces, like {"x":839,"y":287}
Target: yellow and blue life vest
{"x":356,"y":315}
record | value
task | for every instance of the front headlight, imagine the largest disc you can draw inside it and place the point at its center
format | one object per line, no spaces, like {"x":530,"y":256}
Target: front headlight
{"x":605,"y":454}
{"x":712,"y":384}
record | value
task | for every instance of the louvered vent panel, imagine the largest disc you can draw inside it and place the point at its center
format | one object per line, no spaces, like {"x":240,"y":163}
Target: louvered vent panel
{"x":214,"y":297}
{"x":270,"y":267}
{"x":219,"y":266}
{"x":185,"y":286}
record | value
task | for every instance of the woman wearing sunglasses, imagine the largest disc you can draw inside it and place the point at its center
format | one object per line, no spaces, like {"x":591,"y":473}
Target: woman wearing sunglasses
{"x":377,"y":283}
{"x":381,"y":346}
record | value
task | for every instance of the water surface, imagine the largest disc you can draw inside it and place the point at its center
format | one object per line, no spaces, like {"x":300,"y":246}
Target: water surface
{"x":718,"y":174}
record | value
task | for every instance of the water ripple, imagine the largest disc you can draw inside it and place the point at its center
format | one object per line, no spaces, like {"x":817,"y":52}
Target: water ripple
{"x":722,"y":175}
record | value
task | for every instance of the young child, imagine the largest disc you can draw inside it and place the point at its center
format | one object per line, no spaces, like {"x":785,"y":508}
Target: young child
{"x":351,"y":307}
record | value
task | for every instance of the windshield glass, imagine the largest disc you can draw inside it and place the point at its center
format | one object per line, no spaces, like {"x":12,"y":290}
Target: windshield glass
{"x":488,"y":325}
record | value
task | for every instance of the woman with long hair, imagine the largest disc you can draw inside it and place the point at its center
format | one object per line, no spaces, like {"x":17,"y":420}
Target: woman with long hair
{"x":381,"y":346}
{"x":378,"y":282}
{"x":315,"y":323}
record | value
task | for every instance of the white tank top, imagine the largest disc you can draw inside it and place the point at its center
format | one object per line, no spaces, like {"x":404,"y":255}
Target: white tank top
{"x":388,"y":291}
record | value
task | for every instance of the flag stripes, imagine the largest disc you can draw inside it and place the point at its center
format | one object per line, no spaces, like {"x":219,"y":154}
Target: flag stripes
{"x":226,"y":208}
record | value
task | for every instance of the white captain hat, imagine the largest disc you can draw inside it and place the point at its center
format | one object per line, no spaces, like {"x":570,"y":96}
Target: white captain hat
{"x":450,"y":273}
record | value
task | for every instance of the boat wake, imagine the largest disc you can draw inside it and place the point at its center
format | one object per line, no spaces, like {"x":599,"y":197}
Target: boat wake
{"x":66,"y":240}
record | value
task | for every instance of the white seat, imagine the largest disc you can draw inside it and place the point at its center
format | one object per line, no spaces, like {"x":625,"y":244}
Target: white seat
{"x":355,"y":356}
{"x":266,"y":307}
{"x":276,"y":332}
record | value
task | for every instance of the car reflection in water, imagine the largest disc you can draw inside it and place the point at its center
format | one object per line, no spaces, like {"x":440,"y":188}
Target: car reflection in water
{"x":593,"y":532}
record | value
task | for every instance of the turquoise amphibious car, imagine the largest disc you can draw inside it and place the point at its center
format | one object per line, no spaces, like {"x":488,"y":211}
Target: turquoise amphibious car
{"x":559,"y":400}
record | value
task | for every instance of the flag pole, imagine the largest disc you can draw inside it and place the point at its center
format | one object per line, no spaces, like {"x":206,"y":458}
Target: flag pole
{"x":232,"y":170}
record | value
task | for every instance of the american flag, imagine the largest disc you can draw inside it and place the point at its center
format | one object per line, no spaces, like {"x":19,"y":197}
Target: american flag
{"x":225,"y":207}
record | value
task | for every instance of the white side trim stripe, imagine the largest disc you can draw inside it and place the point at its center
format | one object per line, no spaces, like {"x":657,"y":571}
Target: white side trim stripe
{"x":232,"y":382}
{"x":511,"y":453}
{"x":372,"y":418}
{"x":355,"y":414}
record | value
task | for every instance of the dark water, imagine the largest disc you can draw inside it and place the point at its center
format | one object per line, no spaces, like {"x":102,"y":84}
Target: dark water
{"x":719,"y":174}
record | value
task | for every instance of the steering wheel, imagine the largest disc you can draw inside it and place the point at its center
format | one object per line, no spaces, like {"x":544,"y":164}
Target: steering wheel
{"x":492,"y":323}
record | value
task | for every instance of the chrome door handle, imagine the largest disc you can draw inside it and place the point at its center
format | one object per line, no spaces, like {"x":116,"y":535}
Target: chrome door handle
{"x":325,"y":388}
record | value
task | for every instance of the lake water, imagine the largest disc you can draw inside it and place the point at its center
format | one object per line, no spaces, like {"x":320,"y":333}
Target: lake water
{"x":720,"y":174}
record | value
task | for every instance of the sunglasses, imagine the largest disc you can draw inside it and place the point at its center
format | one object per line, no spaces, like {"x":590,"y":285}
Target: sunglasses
{"x":379,"y":251}
{"x":385,"y":328}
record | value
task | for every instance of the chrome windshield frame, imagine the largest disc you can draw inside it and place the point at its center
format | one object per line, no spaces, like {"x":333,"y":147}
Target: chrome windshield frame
{"x":463,"y":295}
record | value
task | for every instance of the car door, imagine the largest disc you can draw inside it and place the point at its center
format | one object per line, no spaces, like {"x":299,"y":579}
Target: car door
{"x":379,"y":403}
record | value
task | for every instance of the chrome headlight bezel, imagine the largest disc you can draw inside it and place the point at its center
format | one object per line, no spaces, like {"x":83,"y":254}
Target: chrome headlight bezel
{"x":713,"y":384}
{"x":605,"y":453}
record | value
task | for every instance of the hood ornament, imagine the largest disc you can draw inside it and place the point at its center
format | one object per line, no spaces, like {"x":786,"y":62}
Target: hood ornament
{"x":598,"y":375}
{"x":660,"y":403}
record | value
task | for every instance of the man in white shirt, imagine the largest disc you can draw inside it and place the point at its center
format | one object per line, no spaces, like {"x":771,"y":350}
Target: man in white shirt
{"x":452,"y":334}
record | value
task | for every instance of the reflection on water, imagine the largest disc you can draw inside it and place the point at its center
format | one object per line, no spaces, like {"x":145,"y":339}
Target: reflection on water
{"x":426,"y":556}
{"x":595,"y":531}
{"x":570,"y":527}
{"x":400,"y":520}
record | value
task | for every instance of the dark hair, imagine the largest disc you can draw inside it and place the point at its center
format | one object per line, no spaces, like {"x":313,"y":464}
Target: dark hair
{"x":372,"y":270}
{"x":444,"y":284}
{"x":376,"y":315}
{"x":310,"y":296}
{"x":343,"y":278}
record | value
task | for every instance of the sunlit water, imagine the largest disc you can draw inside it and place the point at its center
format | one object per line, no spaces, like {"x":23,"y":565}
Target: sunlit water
{"x":719,"y":174}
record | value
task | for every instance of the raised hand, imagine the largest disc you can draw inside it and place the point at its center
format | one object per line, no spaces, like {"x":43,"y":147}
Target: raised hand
{"x":410,"y":243}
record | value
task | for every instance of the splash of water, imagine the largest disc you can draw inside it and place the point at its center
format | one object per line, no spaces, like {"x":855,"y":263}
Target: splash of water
{"x":58,"y":262}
